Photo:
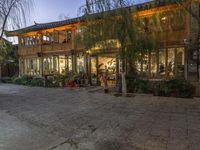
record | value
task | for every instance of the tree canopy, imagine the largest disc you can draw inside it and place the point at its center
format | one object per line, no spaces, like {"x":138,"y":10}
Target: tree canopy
{"x":14,"y":13}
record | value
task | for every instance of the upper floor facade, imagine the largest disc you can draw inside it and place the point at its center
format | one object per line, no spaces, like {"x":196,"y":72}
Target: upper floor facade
{"x":173,"y":28}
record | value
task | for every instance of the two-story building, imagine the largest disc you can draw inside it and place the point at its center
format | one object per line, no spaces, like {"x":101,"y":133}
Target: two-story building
{"x":51,"y":48}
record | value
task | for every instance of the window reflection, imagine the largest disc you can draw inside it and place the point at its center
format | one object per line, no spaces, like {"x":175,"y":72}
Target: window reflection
{"x":180,"y":60}
{"x":162,"y":60}
{"x":145,"y":63}
{"x":153,"y":63}
{"x":80,"y":64}
{"x":171,"y":62}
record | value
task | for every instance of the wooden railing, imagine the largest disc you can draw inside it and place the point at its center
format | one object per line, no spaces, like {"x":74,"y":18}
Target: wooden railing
{"x":53,"y":47}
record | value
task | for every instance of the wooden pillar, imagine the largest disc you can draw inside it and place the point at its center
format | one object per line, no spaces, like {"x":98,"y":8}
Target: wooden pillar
{"x":20,"y":67}
{"x":41,"y":65}
{"x":74,"y":63}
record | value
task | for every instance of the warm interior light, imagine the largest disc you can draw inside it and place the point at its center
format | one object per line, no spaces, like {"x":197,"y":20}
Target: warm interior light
{"x":164,"y":18}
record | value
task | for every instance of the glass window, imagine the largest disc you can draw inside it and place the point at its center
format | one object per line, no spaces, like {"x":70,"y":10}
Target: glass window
{"x":162,"y":60}
{"x":70,"y":63}
{"x":145,"y":63}
{"x":56,"y":64}
{"x":62,"y":64}
{"x":139,"y":64}
{"x":153,"y":63}
{"x":46,"y":66}
{"x":94,"y":66}
{"x":108,"y":63}
{"x":171,"y":62}
{"x":180,"y":60}
{"x":80,"y":64}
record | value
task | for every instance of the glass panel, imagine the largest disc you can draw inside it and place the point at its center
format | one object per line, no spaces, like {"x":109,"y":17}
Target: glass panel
{"x":70,"y":63}
{"x":162,"y":60}
{"x":94,"y":70}
{"x":138,"y":64}
{"x":55,"y":64}
{"x":33,"y":66}
{"x":153,"y":63}
{"x":25,"y":66}
{"x":108,"y":64}
{"x":62,"y":64}
{"x":93,"y":66}
{"x":80,"y":64}
{"x":46,"y":66}
{"x":180,"y":60}
{"x":171,"y":62}
{"x":145,"y":59}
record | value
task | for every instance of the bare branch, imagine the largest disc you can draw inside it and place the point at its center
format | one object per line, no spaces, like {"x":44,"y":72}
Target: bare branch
{"x":14,"y":13}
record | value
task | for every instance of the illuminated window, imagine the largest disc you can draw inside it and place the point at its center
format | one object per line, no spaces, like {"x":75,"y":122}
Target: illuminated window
{"x":171,"y":62}
{"x":162,"y":60}
{"x":153,"y":63}
{"x":62,"y":64}
{"x":80,"y":64}
{"x":180,"y":60}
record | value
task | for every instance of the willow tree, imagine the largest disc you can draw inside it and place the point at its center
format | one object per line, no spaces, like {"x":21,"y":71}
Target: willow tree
{"x":14,"y":13}
{"x":108,"y":22}
{"x":192,"y":8}
{"x":6,"y":51}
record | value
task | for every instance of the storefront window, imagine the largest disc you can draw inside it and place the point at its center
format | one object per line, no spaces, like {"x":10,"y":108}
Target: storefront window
{"x":145,"y":64}
{"x":69,"y":61}
{"x":93,"y":66}
{"x":139,"y":64}
{"x":162,"y":60}
{"x":109,"y":64}
{"x":180,"y":60}
{"x":153,"y":63}
{"x":62,"y":64}
{"x":46,"y":66}
{"x":171,"y":62}
{"x":55,"y":64}
{"x":80,"y":64}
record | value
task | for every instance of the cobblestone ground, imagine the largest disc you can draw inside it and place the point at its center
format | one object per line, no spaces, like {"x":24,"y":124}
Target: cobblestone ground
{"x":63,"y":119}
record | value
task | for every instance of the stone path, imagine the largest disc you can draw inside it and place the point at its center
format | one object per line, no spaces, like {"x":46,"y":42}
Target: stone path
{"x":63,"y":119}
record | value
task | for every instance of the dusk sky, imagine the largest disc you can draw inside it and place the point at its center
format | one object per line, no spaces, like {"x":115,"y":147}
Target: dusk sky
{"x":51,"y":10}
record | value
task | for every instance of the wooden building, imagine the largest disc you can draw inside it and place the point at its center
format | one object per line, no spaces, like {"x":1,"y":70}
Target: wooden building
{"x":50,"y":48}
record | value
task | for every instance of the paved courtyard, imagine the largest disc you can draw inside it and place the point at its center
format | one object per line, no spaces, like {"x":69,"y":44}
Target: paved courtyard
{"x":63,"y":119}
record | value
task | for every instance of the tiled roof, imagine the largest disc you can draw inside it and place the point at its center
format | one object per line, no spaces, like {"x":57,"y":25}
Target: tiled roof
{"x":43,"y":26}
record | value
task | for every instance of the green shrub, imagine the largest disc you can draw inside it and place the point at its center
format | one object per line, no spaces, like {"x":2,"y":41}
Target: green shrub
{"x":137,"y":85}
{"x":23,"y":80}
{"x":174,"y":88}
{"x":171,"y":87}
{"x":37,"y":82}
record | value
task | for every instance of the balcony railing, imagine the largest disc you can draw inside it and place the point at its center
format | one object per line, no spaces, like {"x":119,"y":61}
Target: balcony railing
{"x":52,"y":47}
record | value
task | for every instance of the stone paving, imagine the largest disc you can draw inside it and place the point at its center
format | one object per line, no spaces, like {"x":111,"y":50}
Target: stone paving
{"x":64,"y":119}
